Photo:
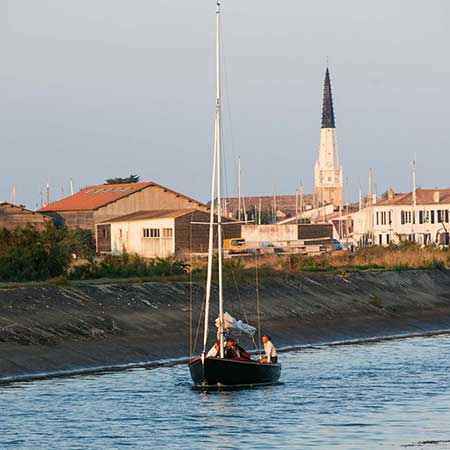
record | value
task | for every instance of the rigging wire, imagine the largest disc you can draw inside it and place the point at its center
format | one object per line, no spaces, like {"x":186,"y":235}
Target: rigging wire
{"x":228,"y":111}
{"x":242,"y":311}
{"x":258,"y":314}
{"x":199,"y":323}
{"x":191,"y":350}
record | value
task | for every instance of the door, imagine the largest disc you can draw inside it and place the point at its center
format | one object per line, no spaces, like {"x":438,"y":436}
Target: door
{"x":104,"y":238}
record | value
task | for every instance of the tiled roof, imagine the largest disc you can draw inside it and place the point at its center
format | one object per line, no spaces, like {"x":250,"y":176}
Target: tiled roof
{"x":423,"y":197}
{"x":157,"y":214}
{"x":94,"y":197}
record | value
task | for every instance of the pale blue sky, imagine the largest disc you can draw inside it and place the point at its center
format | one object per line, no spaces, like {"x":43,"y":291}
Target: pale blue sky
{"x":101,"y":88}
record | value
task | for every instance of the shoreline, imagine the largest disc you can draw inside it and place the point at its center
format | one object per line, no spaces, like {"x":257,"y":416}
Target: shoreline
{"x":184,"y":360}
{"x":51,"y":331}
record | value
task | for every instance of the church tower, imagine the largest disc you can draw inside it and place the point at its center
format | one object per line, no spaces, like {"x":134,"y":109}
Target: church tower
{"x":328,"y":177}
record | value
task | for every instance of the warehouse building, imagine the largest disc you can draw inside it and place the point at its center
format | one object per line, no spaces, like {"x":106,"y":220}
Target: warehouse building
{"x":101,"y":203}
{"x":13,"y":216}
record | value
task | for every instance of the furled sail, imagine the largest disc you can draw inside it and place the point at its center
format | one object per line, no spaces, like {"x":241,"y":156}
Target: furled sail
{"x":233,"y":326}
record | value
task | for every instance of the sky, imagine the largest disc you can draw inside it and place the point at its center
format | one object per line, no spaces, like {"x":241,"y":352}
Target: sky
{"x":95,"y":89}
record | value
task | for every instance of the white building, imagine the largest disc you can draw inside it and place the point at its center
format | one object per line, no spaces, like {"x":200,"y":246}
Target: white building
{"x":161,"y":233}
{"x":423,"y":218}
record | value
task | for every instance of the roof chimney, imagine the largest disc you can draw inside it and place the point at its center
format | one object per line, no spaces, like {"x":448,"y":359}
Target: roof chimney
{"x":390,"y":194}
{"x":436,"y":196}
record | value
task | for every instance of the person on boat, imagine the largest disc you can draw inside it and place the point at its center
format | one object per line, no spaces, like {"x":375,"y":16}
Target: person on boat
{"x":235,"y":351}
{"x":214,"y":351}
{"x":269,"y":349}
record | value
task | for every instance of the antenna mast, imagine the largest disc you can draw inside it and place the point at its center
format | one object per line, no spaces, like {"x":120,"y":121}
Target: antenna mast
{"x":13,"y":197}
{"x":239,"y":188}
{"x":414,"y":198}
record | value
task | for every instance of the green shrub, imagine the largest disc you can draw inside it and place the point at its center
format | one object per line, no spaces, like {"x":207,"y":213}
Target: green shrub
{"x":308,"y":263}
{"x":27,"y":254}
{"x":128,"y":265}
{"x":401,"y":266}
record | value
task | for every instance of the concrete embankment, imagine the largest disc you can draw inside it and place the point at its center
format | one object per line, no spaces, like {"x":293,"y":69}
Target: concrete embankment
{"x":56,"y":329}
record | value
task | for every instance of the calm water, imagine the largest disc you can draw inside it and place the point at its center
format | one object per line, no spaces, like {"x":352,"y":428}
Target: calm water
{"x":382,"y":395}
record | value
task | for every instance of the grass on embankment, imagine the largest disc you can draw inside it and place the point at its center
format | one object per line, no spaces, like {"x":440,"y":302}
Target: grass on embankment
{"x":129,"y":269}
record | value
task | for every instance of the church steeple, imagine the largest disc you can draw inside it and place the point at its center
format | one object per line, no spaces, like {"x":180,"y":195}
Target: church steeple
{"x":327,"y":108}
{"x":328,"y":176}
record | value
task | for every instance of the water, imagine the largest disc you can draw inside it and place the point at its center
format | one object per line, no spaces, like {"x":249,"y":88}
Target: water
{"x":385,"y":395}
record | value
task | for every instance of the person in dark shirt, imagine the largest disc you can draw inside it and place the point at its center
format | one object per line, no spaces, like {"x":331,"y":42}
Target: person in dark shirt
{"x":235,"y":351}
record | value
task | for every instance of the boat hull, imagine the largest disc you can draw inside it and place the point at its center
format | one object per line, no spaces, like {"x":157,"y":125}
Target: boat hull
{"x":217,"y":372}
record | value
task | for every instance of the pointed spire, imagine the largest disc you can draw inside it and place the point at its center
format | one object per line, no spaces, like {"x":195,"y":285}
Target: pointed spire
{"x":327,"y":108}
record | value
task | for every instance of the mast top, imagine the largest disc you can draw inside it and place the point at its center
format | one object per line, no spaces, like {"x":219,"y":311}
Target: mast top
{"x":327,"y":108}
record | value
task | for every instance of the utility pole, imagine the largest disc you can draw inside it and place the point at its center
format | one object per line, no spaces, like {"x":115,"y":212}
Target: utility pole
{"x":245,"y":210}
{"x":301,"y":201}
{"x":347,"y":218}
{"x":274,"y":205}
{"x":13,"y":196}
{"x":47,"y":195}
{"x":259,"y":218}
{"x":239,"y":188}
{"x":360,"y":197}
{"x":414,"y":199}
{"x":369,"y":208}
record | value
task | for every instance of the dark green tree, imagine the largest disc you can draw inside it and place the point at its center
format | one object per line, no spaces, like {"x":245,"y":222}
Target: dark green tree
{"x":127,"y":180}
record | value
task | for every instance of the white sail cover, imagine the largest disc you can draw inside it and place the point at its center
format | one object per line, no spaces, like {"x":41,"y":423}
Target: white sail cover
{"x":233,"y":326}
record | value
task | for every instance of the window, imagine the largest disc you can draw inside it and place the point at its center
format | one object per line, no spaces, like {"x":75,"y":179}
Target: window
{"x":390,"y":217}
{"x":402,"y":217}
{"x":421,"y":217}
{"x":446,"y":216}
{"x":150,"y":232}
{"x":120,"y":233}
{"x":387,"y":239}
{"x":378,"y":222}
{"x":439,"y":216}
{"x":432,"y":216}
{"x":167,"y":232}
{"x":380,"y":239}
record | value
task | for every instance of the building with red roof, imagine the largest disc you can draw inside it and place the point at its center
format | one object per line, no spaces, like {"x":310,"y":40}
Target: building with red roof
{"x":104,"y":202}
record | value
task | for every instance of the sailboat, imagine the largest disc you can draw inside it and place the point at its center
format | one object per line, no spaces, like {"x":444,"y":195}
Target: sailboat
{"x":219,"y":371}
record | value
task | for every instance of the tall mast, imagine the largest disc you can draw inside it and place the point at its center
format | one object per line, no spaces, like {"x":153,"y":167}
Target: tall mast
{"x":216,"y":170}
{"x":301,"y":200}
{"x":219,"y":192}
{"x":13,"y":196}
{"x":369,"y":209}
{"x":239,"y":188}
{"x":414,"y":198}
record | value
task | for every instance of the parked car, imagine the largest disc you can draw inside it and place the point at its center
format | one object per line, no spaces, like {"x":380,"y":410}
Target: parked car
{"x":337,"y":245}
